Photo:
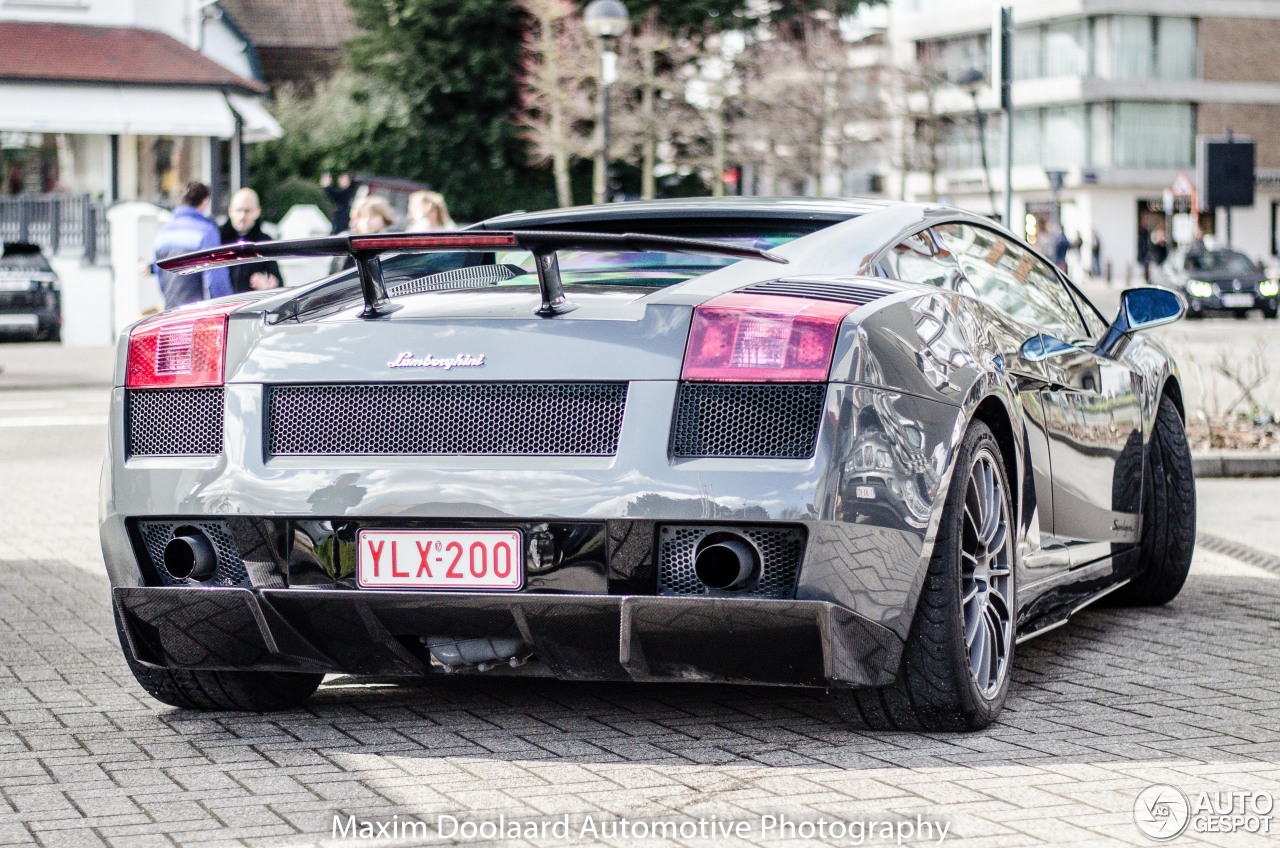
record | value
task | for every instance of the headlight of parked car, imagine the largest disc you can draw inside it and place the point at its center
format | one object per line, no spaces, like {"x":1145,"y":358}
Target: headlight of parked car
{"x":1199,"y":288}
{"x":1269,"y":288}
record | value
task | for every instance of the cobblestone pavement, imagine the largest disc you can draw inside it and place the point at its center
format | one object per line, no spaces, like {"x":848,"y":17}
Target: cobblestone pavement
{"x":1188,"y":695}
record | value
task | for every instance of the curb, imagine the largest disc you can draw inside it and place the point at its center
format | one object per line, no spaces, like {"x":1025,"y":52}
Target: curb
{"x":1235,"y":464}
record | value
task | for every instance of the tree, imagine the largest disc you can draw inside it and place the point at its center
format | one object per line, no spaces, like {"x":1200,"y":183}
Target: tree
{"x":809,"y":109}
{"x":455,"y":65}
{"x":340,"y":124}
{"x":555,"y":102}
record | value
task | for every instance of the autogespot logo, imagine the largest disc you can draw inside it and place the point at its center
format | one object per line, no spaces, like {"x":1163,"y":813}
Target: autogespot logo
{"x":1161,"y":812}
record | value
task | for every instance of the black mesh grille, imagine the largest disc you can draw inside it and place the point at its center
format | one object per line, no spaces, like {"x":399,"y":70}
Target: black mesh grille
{"x":459,"y":278}
{"x":175,"y":422}
{"x":747,"y":420}
{"x":157,"y":534}
{"x":780,"y":551}
{"x":821,"y":290}
{"x":521,"y":419}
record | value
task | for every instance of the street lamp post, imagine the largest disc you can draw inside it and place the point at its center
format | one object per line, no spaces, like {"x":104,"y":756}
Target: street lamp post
{"x":606,"y":20}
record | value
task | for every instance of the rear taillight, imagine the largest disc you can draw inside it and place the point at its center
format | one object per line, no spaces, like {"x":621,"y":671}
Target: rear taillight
{"x":742,"y":338}
{"x":183,"y":348}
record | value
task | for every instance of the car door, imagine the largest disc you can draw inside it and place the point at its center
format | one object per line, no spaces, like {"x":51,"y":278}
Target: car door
{"x":1091,"y":404}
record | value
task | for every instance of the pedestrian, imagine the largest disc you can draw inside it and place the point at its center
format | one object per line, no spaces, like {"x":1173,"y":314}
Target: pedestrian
{"x":342,"y":196}
{"x":1061,"y":246}
{"x":190,"y":229}
{"x":243,"y":225}
{"x":370,"y":214}
{"x":1095,"y":254}
{"x":428,"y":212}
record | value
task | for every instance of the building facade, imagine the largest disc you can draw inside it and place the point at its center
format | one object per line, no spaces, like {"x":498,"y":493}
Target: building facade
{"x":125,"y":99}
{"x":1110,"y":95}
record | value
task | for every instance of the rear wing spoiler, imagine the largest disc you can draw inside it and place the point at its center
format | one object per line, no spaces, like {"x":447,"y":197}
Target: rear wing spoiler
{"x":366,"y":249}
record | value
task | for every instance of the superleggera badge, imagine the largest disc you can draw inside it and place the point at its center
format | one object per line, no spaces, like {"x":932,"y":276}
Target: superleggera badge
{"x":462,"y":360}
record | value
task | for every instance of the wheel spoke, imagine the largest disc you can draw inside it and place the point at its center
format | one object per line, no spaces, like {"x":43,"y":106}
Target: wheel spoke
{"x":993,"y":654}
{"x":980,"y":652}
{"x":995,"y":540}
{"x":972,"y":621}
{"x":997,"y":630}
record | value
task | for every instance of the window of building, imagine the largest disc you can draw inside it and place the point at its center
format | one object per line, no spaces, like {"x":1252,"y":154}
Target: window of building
{"x":1064,"y":137}
{"x":1066,"y":51}
{"x":1143,"y":47}
{"x":1153,"y":135}
{"x":956,"y":56}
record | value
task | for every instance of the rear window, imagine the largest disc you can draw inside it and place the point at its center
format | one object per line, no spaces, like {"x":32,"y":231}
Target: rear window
{"x":21,"y":256}
{"x":1226,"y":261}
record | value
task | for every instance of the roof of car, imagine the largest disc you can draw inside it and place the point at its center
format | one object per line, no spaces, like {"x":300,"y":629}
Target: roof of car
{"x":778,"y":208}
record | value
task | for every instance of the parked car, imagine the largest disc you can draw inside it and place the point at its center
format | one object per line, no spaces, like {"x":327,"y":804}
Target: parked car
{"x":30,"y":300}
{"x":1222,"y":281}
{"x":859,"y":446}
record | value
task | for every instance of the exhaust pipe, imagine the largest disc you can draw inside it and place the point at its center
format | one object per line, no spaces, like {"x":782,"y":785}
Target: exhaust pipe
{"x":726,"y":561}
{"x":190,"y":555}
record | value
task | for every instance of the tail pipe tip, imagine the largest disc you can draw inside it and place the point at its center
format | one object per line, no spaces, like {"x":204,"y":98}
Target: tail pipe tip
{"x":726,"y":561}
{"x":190,"y":555}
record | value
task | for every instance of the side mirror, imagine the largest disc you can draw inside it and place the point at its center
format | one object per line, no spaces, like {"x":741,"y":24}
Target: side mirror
{"x":1141,"y":309}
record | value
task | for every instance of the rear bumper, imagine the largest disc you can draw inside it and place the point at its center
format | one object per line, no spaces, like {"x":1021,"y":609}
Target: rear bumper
{"x":571,"y":637}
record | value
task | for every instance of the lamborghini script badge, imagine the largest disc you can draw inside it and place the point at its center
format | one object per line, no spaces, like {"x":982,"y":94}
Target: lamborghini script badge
{"x":461,"y":360}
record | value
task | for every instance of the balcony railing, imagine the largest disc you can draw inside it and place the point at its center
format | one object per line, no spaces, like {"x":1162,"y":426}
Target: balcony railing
{"x":60,"y":223}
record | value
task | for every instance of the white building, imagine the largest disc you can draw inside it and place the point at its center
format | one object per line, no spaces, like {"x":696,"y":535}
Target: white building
{"x":125,"y":99}
{"x":1111,"y":92}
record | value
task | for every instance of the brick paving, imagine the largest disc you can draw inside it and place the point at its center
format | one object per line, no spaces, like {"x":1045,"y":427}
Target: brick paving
{"x":1188,"y":694}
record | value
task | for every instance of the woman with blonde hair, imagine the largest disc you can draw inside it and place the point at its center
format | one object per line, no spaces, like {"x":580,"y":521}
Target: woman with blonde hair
{"x":427,"y":212}
{"x":370,"y":214}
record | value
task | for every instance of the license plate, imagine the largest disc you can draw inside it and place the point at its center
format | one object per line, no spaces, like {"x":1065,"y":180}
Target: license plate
{"x":1237,"y":301}
{"x":19,"y":322}
{"x":474,"y":560}
{"x":12,"y":285}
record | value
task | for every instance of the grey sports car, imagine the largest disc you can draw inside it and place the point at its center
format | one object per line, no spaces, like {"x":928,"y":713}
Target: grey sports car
{"x":866,"y":447}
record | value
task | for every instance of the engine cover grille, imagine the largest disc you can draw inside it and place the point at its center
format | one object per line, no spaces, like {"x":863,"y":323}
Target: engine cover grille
{"x":175,"y":422}
{"x":747,"y":420}
{"x":781,"y":549}
{"x":495,"y":419}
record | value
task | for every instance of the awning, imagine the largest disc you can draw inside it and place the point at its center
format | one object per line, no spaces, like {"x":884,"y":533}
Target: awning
{"x":117,"y":109}
{"x":256,"y":122}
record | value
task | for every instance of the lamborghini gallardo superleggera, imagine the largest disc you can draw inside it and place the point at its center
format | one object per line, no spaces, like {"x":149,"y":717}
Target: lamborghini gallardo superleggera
{"x":859,"y":446}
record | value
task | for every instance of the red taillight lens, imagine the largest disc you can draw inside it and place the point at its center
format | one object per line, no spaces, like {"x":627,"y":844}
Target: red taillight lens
{"x":740,"y":338}
{"x":183,"y":348}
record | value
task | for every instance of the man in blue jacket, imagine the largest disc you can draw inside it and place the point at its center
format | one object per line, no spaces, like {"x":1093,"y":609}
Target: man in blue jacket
{"x":190,"y":229}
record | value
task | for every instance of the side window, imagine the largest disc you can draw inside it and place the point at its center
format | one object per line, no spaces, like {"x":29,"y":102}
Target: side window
{"x":1014,"y":279}
{"x":922,"y":258}
{"x":1092,"y":318}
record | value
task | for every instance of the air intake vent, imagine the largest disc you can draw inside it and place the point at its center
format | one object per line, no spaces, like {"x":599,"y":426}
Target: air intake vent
{"x":747,"y":420}
{"x":459,"y":278}
{"x":820,"y":290}
{"x":175,"y":422}
{"x":494,"y":419}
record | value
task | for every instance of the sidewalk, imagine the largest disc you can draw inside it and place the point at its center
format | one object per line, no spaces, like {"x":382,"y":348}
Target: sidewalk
{"x":53,"y":366}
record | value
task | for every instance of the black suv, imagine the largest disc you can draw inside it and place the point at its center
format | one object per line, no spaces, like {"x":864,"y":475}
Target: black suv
{"x":30,"y":301}
{"x":1222,"y":280}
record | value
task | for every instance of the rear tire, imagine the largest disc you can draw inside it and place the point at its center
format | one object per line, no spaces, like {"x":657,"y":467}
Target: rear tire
{"x":243,"y":691}
{"x":948,"y":680}
{"x":1168,"y":515}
